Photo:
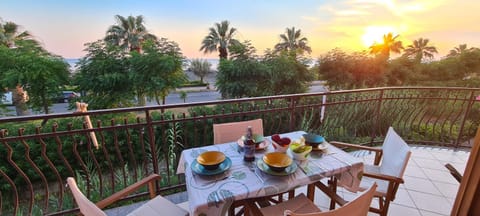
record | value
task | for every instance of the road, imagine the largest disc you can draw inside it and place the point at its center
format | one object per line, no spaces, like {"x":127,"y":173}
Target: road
{"x":173,"y":98}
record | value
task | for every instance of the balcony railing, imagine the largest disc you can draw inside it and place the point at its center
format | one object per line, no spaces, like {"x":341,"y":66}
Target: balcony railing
{"x":37,"y":153}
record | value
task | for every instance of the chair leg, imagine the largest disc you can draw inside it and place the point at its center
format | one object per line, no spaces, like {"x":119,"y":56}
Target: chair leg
{"x":332,"y":183}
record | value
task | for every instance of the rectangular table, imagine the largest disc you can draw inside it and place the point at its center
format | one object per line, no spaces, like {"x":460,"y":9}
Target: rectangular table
{"x":213,"y":195}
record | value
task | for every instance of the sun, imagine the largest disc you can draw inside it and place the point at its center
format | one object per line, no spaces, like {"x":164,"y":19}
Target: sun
{"x":374,"y":34}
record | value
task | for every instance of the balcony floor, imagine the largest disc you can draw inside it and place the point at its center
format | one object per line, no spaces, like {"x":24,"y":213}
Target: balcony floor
{"x":429,"y":189}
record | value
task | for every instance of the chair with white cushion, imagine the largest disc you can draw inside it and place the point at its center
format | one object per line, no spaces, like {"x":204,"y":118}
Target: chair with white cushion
{"x":393,"y":155}
{"x":156,"y":206}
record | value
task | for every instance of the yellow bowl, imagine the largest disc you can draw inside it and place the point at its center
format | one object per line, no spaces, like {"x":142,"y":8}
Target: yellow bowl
{"x":211,"y":159}
{"x":277,"y":161}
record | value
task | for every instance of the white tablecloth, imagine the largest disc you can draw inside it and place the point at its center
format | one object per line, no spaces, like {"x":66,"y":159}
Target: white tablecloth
{"x":213,"y":195}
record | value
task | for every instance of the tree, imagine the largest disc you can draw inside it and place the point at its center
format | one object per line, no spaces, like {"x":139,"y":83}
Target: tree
{"x":183,"y":96}
{"x":219,"y":38}
{"x":200,"y":68}
{"x":287,"y":75}
{"x":243,"y":75}
{"x":27,"y":67}
{"x":104,"y":74}
{"x":389,"y":45}
{"x":128,"y":33}
{"x":456,"y":51}
{"x":293,"y":41}
{"x":158,"y":70}
{"x":420,"y":49}
{"x":12,"y":37}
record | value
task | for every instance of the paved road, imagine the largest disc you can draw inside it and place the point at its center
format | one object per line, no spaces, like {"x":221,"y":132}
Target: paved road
{"x":173,"y":98}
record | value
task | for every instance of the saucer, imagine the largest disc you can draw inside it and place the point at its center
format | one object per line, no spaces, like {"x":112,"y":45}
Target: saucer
{"x":199,"y":169}
{"x":289,"y":170}
{"x":321,"y":147}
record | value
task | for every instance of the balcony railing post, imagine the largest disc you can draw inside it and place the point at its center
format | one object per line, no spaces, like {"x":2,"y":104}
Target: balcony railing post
{"x":467,"y":111}
{"x":377,"y":116}
{"x":292,"y":112}
{"x":151,"y":139}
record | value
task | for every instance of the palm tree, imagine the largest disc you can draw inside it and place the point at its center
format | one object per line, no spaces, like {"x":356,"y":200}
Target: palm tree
{"x":389,"y":45}
{"x":419,"y":49}
{"x":456,"y":51}
{"x":292,"y":40}
{"x":219,"y":38}
{"x":200,"y":68}
{"x":128,"y":33}
{"x":12,"y":37}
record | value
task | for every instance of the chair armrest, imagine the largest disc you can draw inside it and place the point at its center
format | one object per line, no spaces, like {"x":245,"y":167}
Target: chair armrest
{"x":378,"y":151}
{"x":384,"y":177}
{"x":349,"y":145}
{"x":454,"y":172}
{"x":150,"y":180}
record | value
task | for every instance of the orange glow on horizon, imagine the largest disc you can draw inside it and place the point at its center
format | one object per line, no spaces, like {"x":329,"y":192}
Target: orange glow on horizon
{"x":374,"y":34}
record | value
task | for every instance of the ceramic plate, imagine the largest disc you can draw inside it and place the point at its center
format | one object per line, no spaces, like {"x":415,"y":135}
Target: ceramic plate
{"x":264,"y":167}
{"x":263,"y":145}
{"x":199,"y":169}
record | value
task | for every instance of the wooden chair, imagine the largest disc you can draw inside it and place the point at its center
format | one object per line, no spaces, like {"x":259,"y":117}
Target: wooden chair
{"x":230,"y":132}
{"x":394,"y":156}
{"x":302,"y":206}
{"x":156,"y":206}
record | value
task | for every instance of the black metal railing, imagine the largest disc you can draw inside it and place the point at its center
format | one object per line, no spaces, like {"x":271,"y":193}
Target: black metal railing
{"x":37,"y":153}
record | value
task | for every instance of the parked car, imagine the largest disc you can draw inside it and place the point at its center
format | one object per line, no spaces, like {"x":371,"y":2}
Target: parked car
{"x":6,"y":98}
{"x":66,"y":96}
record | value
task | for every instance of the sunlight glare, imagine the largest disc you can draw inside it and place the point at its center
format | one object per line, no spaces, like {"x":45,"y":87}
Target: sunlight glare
{"x":374,"y":34}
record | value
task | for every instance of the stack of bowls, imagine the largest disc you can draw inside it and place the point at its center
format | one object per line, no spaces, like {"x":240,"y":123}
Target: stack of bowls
{"x":277,"y":161}
{"x":210,"y":160}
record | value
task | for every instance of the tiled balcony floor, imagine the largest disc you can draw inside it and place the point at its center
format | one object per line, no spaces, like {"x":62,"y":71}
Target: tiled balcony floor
{"x":429,"y":189}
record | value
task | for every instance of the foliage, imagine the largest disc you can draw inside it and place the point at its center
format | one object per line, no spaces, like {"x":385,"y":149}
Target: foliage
{"x":389,"y":45}
{"x":25,"y":64}
{"x":292,"y":41}
{"x":346,"y":71}
{"x":243,"y":75}
{"x":104,"y":74}
{"x":286,"y":75}
{"x":200,"y":68}
{"x":40,"y":74}
{"x":219,"y":38}
{"x":246,"y":75}
{"x":419,"y":49}
{"x":128,"y":33}
{"x":158,"y":70}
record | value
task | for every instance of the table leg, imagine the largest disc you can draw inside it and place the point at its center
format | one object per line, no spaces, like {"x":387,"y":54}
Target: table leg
{"x":332,"y":184}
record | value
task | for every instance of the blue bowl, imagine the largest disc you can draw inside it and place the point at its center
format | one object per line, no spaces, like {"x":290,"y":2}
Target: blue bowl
{"x":313,"y":139}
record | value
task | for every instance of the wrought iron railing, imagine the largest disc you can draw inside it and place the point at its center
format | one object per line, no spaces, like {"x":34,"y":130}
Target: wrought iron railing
{"x":37,"y":153}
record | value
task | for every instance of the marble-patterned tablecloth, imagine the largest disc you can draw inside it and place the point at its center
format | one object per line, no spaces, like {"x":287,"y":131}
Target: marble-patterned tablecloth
{"x":213,"y":195}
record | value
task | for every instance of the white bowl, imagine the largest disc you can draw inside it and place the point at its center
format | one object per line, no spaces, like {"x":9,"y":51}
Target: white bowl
{"x":301,"y":155}
{"x":280,"y":148}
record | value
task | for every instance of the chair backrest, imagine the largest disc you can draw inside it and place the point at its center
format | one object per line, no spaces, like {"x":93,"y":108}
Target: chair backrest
{"x":357,"y":207}
{"x":229,"y":132}
{"x":396,"y":154}
{"x":86,"y":206}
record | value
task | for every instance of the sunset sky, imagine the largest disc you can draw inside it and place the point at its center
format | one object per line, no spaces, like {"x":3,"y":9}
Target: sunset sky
{"x":65,"y":26}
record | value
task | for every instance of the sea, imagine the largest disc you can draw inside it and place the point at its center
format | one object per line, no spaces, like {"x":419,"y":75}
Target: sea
{"x":73,"y":61}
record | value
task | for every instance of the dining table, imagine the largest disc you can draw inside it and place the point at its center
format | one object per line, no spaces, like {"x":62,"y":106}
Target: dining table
{"x":215,"y":192}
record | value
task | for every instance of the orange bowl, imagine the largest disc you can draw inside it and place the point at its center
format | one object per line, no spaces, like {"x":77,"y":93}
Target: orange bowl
{"x":277,"y":161}
{"x":211,"y":159}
